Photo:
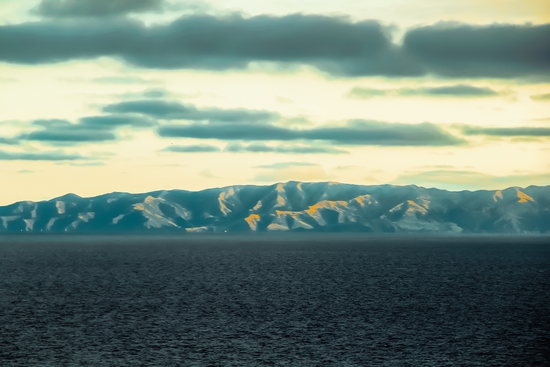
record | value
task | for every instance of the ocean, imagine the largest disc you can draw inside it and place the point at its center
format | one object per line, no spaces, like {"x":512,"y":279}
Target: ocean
{"x":274,"y":300}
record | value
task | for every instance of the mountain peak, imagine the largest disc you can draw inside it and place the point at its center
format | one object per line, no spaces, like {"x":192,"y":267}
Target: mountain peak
{"x":68,"y":197}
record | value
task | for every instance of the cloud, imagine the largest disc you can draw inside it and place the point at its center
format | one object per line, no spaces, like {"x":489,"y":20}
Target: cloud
{"x":359,"y":92}
{"x":9,"y":141}
{"x":113,"y":121}
{"x":357,"y":132}
{"x":334,"y":45}
{"x":58,"y":123}
{"x":284,"y":100}
{"x":541,"y":97}
{"x":44,"y":156}
{"x":458,"y":90}
{"x":152,"y":93}
{"x":506,"y":131}
{"x":285,"y":149}
{"x":159,"y":94}
{"x":286,"y":165}
{"x":121,"y":80}
{"x":95,"y":8}
{"x":469,"y":180}
{"x":200,"y":148}
{"x":193,"y":6}
{"x":82,"y":136}
{"x":207,"y":174}
{"x":156,"y":93}
{"x":172,"y":110}
{"x":497,"y":50}
{"x":85,"y":164}
{"x":62,"y":131}
{"x":254,"y":148}
{"x":88,"y":129}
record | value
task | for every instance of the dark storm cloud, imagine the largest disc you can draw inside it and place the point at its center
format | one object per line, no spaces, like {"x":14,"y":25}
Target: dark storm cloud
{"x":45,"y":156}
{"x":283,"y":149}
{"x":177,"y":111}
{"x":506,"y":131}
{"x":541,"y":97}
{"x":332,"y":44}
{"x":200,"y":148}
{"x":356,"y":133}
{"x":94,"y":8}
{"x":498,"y":50}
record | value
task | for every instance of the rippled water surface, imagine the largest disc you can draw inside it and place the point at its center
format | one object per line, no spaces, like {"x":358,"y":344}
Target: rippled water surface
{"x":338,"y":300}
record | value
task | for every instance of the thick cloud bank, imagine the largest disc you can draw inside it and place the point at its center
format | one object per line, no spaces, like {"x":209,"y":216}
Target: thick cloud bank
{"x":499,"y":50}
{"x":94,"y":8}
{"x":332,"y":44}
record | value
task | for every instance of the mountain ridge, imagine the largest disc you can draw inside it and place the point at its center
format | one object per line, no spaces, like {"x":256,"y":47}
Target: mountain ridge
{"x":289,"y":206}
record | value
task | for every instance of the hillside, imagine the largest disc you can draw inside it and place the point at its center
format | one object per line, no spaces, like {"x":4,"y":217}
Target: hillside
{"x":291,"y":206}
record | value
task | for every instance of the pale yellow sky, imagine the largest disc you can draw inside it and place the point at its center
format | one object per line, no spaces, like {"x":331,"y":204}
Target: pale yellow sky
{"x":71,"y":90}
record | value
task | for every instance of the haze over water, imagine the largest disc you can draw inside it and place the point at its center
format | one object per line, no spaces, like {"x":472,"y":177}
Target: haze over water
{"x":336,"y":300}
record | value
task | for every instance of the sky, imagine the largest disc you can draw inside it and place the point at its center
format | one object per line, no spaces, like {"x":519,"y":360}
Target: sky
{"x":99,"y":96}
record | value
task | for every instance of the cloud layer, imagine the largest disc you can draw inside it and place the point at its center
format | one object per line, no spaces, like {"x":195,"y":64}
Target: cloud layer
{"x":283,"y":149}
{"x":88,"y":129}
{"x":456,"y":91}
{"x":355,"y":133}
{"x":44,"y":156}
{"x":541,"y":97}
{"x":9,"y":141}
{"x":286,"y":165}
{"x":497,"y":50}
{"x":171,"y":110}
{"x":507,"y":131}
{"x":95,"y":8}
{"x":332,"y":44}
{"x":200,"y":148}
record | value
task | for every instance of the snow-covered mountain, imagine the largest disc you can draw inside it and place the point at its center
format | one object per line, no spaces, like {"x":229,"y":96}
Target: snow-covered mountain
{"x":291,"y":206}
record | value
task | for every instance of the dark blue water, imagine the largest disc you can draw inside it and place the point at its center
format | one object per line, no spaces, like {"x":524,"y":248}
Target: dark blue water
{"x":274,"y":301}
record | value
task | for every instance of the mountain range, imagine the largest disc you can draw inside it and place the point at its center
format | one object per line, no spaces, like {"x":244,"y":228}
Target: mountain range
{"x":290,"y":206}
